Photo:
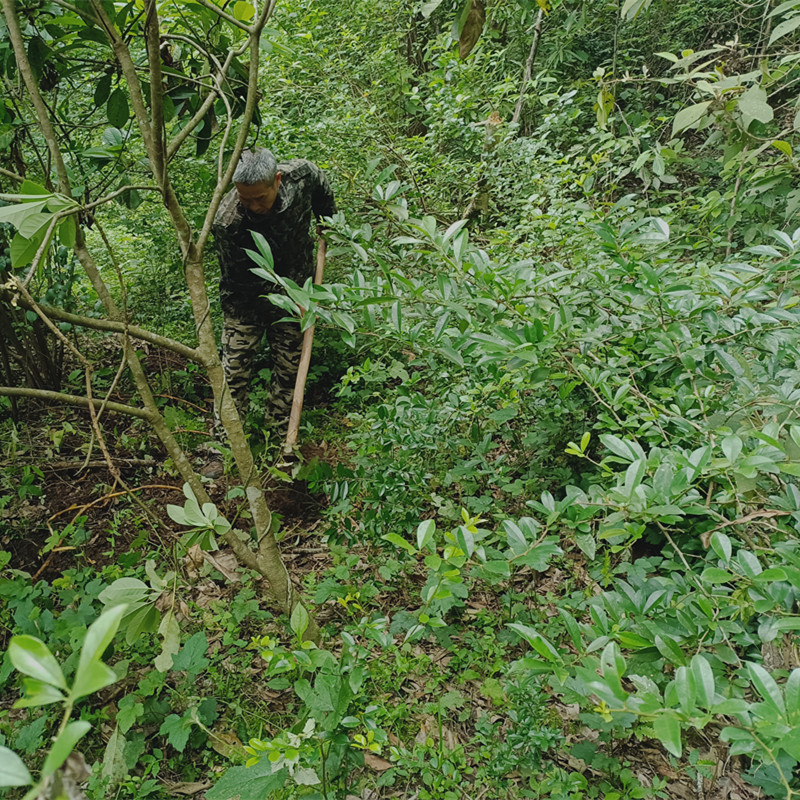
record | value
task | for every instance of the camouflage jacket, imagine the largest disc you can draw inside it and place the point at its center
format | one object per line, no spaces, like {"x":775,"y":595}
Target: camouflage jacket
{"x":304,"y":191}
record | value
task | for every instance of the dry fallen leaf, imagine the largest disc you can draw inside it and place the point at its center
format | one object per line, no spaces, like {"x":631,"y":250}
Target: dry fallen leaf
{"x":225,"y":562}
{"x":185,"y":788}
{"x":226,"y":744}
{"x":376,"y":762}
{"x":192,"y":562}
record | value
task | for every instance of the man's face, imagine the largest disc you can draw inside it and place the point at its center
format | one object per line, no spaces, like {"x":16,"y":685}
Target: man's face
{"x":258,"y":198}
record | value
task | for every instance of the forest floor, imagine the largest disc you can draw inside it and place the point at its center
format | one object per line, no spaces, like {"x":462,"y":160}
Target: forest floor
{"x":80,"y":492}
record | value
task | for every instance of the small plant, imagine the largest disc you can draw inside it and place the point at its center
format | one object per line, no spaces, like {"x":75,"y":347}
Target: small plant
{"x":44,"y":683}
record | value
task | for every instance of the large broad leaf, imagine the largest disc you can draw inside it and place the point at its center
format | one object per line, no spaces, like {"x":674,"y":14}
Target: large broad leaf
{"x":703,"y":680}
{"x":67,"y":232}
{"x":30,"y":656}
{"x":429,"y":7}
{"x":766,"y":686}
{"x":100,"y":634}
{"x":92,"y":674}
{"x":64,"y":745}
{"x":249,"y":783}
{"x":754,"y":107}
{"x":785,"y":28}
{"x":17,"y":214}
{"x":23,"y":251}
{"x":38,"y":693}
{"x":117,"y":108}
{"x":114,"y":767}
{"x":631,"y":8}
{"x":91,"y":678}
{"x":12,"y":771}
{"x":687,"y":117}
{"x":668,"y":730}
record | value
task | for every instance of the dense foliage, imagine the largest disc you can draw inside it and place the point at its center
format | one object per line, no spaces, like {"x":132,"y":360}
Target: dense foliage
{"x":546,"y":511}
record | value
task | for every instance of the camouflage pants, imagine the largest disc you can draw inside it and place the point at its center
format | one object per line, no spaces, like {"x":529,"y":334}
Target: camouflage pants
{"x":240,"y":347}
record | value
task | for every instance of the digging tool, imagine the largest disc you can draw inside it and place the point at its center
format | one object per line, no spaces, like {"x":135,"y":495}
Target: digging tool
{"x":305,"y":360}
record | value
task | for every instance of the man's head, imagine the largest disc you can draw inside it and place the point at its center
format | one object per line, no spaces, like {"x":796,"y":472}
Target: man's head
{"x":257,"y":180}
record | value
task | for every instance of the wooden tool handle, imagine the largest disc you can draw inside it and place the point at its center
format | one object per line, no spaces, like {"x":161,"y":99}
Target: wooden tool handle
{"x":305,"y":360}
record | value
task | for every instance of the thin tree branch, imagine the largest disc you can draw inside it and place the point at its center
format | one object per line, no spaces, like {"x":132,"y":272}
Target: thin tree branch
{"x":224,"y":15}
{"x":24,"y":66}
{"x":252,"y":99}
{"x":537,"y":32}
{"x":12,"y":175}
{"x":116,"y":193}
{"x":182,"y":135}
{"x":74,"y":400}
{"x":129,"y":71}
{"x":153,"y":47}
{"x":112,"y":326}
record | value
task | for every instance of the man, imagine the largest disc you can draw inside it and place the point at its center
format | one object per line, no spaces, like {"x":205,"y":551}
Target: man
{"x":277,"y":201}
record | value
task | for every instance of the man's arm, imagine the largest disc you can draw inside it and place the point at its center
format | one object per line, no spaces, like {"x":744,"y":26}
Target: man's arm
{"x":323,"y":203}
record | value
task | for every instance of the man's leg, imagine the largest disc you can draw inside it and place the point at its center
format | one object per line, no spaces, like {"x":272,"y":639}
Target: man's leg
{"x":285,"y":342}
{"x":239,"y":348}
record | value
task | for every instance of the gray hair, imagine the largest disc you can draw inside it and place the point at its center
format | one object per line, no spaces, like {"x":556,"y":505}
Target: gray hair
{"x":256,"y":166}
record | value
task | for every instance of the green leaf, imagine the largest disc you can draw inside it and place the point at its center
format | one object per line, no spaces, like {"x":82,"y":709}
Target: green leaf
{"x":191,"y":658}
{"x":619,"y":447}
{"x":13,"y":771}
{"x":425,"y":532}
{"x":465,"y":540}
{"x":117,"y":108}
{"x":766,"y":686}
{"x":38,"y":693}
{"x":687,"y":117}
{"x":714,"y":575}
{"x":22,"y":251}
{"x":631,"y":8}
{"x":732,"y":447}
{"x":790,"y":743}
{"x":64,"y":745}
{"x":703,"y":681}
{"x":243,"y":11}
{"x":31,"y":189}
{"x":170,"y":632}
{"x":67,"y":232}
{"x":17,"y":214}
{"x":299,"y":620}
{"x":125,"y":590}
{"x":455,"y":33}
{"x":792,"y":692}
{"x":429,"y":7}
{"x":753,"y":106}
{"x":784,"y":28}
{"x":177,"y":730}
{"x":497,"y":569}
{"x":721,"y":545}
{"x":114,"y":768}
{"x":102,"y":90}
{"x":91,"y":677}
{"x":98,"y":637}
{"x":536,"y":641}
{"x":685,"y":689}
{"x":668,"y":730}
{"x":393,"y":538}
{"x":249,"y":783}
{"x":587,"y":544}
{"x":30,"y":656}
{"x":515,"y":537}
{"x":670,"y":650}
{"x":538,"y":557}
